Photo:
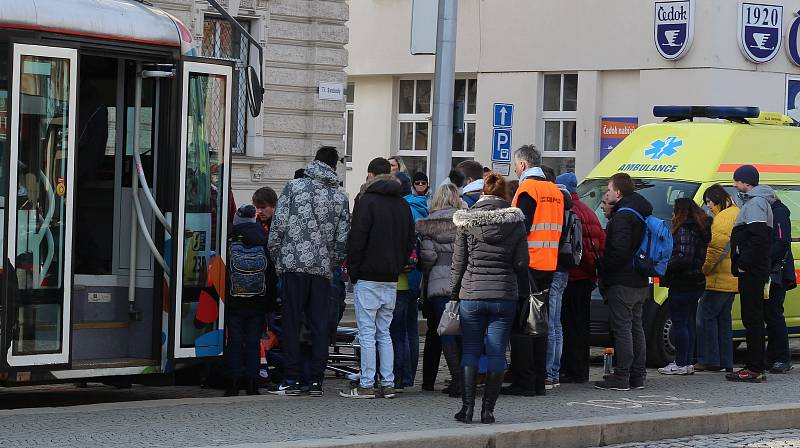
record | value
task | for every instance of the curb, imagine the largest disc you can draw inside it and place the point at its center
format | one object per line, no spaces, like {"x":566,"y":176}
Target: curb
{"x":584,"y":433}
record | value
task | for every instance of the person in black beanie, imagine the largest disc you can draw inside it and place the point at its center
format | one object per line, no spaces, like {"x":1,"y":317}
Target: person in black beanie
{"x":751,"y":240}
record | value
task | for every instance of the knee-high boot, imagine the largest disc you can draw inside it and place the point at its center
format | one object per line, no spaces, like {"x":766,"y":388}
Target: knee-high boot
{"x":494,"y":380}
{"x":452,"y":355}
{"x":468,"y":398}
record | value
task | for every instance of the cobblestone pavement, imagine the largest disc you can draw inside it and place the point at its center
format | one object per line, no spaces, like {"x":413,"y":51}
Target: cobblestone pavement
{"x":217,"y":421}
{"x":763,"y":439}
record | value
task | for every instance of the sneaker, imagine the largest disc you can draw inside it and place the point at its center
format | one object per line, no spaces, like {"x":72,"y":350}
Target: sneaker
{"x":704,"y":368}
{"x":388,"y":392}
{"x":781,"y":367}
{"x":550,"y":385}
{"x":637,"y":382}
{"x":315,"y":390}
{"x":613,"y":383}
{"x":288,"y":389}
{"x":747,"y":376}
{"x":356,"y":391}
{"x":669,"y":369}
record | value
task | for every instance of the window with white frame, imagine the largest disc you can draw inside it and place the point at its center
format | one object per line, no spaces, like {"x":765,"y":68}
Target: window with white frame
{"x":414,"y":122}
{"x":222,"y":41}
{"x":559,"y":120}
{"x":349,"y":117}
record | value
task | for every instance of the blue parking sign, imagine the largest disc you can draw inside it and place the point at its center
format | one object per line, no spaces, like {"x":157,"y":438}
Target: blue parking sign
{"x":503,"y":115}
{"x":501,"y":145}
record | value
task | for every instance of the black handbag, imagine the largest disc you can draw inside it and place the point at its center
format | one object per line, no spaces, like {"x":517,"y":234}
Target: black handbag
{"x":534,"y":315}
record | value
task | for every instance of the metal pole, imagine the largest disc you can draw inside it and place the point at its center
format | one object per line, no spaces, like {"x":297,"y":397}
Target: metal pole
{"x":443,"y":89}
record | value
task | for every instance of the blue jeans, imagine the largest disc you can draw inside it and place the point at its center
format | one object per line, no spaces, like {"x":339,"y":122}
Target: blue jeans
{"x":374,"y":308}
{"x":683,"y":308}
{"x":492,"y":318}
{"x":244,"y":337}
{"x":401,"y":338}
{"x":555,"y":334}
{"x":716,"y":329}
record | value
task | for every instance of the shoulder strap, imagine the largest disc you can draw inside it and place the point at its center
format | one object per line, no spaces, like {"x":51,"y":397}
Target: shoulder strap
{"x":628,"y":209}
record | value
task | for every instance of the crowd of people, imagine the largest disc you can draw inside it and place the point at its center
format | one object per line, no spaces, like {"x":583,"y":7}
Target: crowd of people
{"x":491,"y":245}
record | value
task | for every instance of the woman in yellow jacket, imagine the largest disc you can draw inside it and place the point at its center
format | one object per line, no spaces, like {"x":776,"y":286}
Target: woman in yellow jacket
{"x":715,"y":335}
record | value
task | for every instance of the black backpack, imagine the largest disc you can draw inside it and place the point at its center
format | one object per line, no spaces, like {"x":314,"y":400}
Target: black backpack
{"x":570,"y":247}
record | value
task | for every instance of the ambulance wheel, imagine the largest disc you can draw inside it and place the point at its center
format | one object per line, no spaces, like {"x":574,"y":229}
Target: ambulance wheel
{"x":660,"y":349}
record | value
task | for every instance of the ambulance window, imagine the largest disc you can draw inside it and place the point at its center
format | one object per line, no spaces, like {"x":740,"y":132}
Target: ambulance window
{"x":661,"y":194}
{"x":790,"y":196}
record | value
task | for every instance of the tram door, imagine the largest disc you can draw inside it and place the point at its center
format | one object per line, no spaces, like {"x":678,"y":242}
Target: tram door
{"x":40,"y":203}
{"x":203,"y":200}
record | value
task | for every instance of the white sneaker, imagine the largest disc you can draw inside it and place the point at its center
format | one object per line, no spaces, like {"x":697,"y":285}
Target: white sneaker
{"x":690,"y":369}
{"x":669,"y":369}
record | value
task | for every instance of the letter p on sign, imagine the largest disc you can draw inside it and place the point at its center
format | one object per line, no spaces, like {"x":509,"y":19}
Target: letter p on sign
{"x":501,"y":145}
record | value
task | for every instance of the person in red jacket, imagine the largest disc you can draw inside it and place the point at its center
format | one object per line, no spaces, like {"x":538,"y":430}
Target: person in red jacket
{"x":577,"y":297}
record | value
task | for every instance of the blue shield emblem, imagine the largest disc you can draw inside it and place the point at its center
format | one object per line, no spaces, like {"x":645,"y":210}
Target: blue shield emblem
{"x":673,"y":27}
{"x":760,"y":31}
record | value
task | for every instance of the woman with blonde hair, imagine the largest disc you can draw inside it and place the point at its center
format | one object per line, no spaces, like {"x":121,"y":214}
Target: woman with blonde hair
{"x":437,"y":234}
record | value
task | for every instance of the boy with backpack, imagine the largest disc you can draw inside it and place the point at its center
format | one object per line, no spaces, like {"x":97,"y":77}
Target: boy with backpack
{"x":247,"y":300}
{"x":625,"y":286}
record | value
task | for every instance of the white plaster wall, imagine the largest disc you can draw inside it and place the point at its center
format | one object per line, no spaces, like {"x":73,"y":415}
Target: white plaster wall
{"x":372,"y":129}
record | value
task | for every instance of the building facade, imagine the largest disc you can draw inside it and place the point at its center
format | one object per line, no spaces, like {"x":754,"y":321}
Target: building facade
{"x":577,"y":73}
{"x":303,"y":44}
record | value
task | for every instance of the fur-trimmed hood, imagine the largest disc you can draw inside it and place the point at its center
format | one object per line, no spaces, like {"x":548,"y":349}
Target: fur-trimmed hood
{"x":383,"y":184}
{"x":479,"y":218}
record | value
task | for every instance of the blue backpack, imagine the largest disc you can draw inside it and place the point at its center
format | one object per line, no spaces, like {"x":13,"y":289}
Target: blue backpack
{"x":652,"y":256}
{"x":248,"y":267}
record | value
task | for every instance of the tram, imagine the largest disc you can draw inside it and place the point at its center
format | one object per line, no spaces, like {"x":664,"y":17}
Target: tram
{"x":114,"y":191}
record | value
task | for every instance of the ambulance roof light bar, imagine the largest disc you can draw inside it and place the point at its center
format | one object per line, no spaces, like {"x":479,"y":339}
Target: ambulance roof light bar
{"x":738,"y":114}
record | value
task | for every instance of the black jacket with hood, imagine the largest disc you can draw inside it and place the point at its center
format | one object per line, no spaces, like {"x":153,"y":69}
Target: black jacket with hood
{"x":382,"y":232}
{"x":781,"y":253}
{"x":624,"y":234}
{"x":751,"y":237}
{"x":491,"y":252}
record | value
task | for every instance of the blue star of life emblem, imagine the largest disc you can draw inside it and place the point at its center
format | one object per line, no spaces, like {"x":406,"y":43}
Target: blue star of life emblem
{"x":663,"y":148}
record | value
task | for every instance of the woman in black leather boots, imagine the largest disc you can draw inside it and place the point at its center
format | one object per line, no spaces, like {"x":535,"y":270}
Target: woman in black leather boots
{"x":491,"y":253}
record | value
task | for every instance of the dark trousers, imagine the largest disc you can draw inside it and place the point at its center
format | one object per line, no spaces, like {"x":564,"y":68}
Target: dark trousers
{"x":777,"y":334}
{"x":401,"y":338}
{"x":751,"y":296}
{"x":683,"y":311}
{"x":716,"y":329}
{"x":625,"y":307}
{"x":528,"y":353}
{"x":305,"y":296}
{"x":431,"y":352}
{"x":244,"y":337}
{"x":575,"y":321}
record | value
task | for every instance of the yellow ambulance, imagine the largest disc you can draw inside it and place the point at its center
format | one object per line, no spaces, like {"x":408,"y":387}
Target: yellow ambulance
{"x":694,"y":148}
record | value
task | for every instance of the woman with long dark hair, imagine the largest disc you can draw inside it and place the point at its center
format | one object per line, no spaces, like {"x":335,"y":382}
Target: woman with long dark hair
{"x":715,"y":327}
{"x":685,"y":280}
{"x":489,"y":264}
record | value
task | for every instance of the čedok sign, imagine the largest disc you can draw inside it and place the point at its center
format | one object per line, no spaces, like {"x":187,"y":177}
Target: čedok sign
{"x":673,"y":28}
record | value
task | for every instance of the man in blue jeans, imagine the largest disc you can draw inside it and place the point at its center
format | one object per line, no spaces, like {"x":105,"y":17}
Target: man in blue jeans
{"x":380,"y":242}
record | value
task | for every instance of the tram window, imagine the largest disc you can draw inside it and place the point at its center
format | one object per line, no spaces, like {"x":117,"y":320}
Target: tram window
{"x":205,"y":156}
{"x":4,"y":125}
{"x":41,"y":210}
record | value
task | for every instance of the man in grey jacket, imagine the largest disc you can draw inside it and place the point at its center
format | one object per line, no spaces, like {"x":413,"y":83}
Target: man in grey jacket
{"x":751,"y":241}
{"x":307,"y":239}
